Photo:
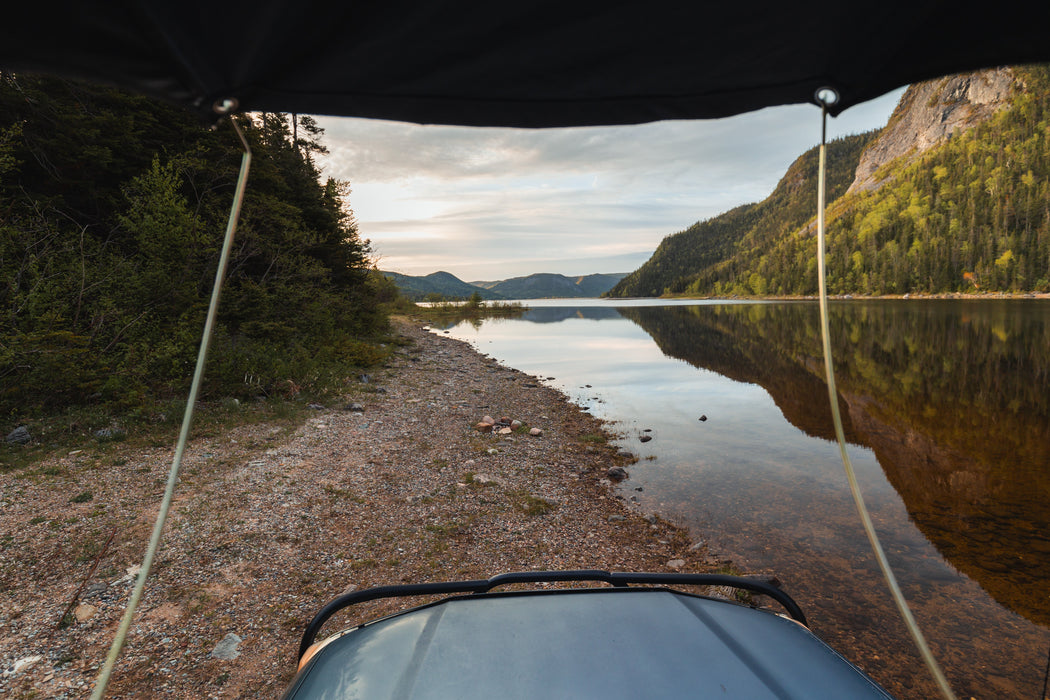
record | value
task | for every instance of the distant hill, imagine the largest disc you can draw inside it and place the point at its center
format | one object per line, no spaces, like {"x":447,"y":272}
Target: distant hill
{"x":443,"y":283}
{"x":537,"y":286}
{"x":951,"y":196}
{"x":548,"y":285}
{"x":596,"y":285}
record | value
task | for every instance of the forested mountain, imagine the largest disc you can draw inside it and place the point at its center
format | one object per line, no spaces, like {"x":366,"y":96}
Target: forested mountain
{"x":112,"y":211}
{"x":747,"y":228}
{"x":543,"y":285}
{"x":547,"y":285}
{"x":442,"y":284}
{"x":935,"y":208}
{"x":598,"y":284}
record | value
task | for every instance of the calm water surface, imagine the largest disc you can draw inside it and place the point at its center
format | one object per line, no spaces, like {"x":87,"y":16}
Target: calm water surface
{"x":946,"y":404}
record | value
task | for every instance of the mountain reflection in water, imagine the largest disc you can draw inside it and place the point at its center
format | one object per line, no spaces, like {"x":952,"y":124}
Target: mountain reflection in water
{"x":954,"y":406}
{"x":950,"y":396}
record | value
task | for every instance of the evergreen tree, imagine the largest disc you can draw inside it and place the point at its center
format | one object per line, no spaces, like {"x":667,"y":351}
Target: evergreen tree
{"x":971,"y":214}
{"x":112,"y":210}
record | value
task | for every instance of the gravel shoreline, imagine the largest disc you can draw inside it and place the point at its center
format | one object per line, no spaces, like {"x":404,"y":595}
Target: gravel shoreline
{"x":268,"y":524}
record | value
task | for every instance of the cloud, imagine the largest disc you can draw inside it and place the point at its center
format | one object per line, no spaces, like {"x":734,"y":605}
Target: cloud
{"x":518,"y":201}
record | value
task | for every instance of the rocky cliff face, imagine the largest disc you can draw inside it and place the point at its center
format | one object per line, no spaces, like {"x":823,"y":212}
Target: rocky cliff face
{"x":931,"y":111}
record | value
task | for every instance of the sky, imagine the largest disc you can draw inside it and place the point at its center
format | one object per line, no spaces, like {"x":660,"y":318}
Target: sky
{"x":493,"y":203}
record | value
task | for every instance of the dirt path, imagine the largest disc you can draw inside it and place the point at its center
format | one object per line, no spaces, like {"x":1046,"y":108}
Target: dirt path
{"x":269,"y":524}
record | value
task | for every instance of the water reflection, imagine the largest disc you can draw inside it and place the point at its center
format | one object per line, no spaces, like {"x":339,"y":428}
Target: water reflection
{"x":952,"y":398}
{"x":946,"y":409}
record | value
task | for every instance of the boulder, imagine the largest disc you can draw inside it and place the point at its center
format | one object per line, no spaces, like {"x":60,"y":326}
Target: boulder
{"x":84,"y":612}
{"x":18,"y":436}
{"x":226,"y":650}
{"x":95,"y":589}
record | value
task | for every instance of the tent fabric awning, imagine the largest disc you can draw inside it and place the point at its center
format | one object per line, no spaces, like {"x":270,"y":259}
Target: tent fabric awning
{"x":531,"y":64}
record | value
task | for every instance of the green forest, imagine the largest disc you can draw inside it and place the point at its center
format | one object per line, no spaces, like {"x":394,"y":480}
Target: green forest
{"x":972,"y":214}
{"x":747,"y":229}
{"x":112,"y":212}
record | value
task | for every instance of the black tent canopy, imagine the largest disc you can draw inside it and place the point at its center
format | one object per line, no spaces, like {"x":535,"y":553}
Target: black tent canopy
{"x":535,"y":63}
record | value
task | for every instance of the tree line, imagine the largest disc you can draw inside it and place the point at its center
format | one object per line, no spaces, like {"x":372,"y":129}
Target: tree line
{"x":112,"y":212}
{"x":730,"y":245}
{"x":972,"y":214}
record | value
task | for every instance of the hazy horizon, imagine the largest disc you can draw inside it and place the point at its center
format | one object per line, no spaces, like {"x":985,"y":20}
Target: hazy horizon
{"x":498,"y":203}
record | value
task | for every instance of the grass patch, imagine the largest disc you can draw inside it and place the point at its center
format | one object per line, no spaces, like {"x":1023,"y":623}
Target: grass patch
{"x":19,"y":457}
{"x":447,"y":530}
{"x":153,"y":424}
{"x":739,"y":595}
{"x":358,"y":564}
{"x":346,"y":494}
{"x":472,"y":479}
{"x":82,"y":497}
{"x":90,"y":547}
{"x":531,"y":505}
{"x":593,"y":438}
{"x":445,"y":314}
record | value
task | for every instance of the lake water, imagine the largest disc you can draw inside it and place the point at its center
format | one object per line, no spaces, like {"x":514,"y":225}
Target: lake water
{"x":947,"y":420}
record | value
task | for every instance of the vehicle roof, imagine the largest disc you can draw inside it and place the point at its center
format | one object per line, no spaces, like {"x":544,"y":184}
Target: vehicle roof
{"x":576,"y":643}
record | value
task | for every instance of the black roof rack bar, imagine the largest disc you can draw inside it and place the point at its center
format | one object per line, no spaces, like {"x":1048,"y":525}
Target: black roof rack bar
{"x":615,"y":579}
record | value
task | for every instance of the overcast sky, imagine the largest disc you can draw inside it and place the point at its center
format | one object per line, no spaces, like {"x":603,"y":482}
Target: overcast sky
{"x":490,"y":204}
